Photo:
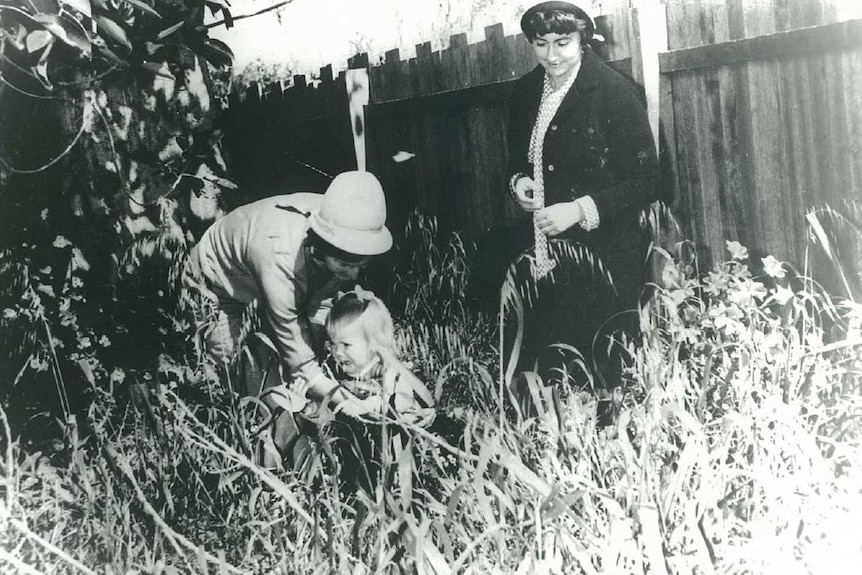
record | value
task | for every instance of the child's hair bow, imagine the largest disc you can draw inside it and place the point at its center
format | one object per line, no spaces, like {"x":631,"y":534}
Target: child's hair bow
{"x":360,"y":294}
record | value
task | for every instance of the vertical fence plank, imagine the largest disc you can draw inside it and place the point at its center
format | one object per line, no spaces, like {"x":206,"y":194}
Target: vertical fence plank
{"x":455,"y":63}
{"x":852,"y":68}
{"x":496,"y":62}
{"x":428,"y":69}
{"x":620,"y":26}
{"x":520,"y":55}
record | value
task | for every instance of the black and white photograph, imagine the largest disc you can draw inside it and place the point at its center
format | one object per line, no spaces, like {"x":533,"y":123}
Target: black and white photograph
{"x":430,"y":287}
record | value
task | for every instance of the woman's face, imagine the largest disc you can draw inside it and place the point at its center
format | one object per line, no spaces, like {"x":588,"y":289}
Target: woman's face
{"x":350,"y":349}
{"x":558,"y":54}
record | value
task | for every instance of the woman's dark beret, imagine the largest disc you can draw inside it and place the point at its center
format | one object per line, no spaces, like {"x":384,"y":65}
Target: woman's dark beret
{"x":562,"y":6}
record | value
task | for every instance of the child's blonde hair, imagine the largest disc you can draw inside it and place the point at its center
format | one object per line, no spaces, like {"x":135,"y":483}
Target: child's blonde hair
{"x":366,"y":308}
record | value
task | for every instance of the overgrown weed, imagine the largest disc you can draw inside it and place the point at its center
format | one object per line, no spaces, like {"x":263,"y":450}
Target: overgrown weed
{"x":736,"y":449}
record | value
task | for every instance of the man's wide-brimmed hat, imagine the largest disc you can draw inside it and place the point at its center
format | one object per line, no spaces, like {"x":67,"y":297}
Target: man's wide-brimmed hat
{"x":579,"y":13}
{"x":352,"y":215}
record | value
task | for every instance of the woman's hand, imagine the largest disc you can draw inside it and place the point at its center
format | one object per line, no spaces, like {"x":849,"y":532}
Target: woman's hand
{"x":524,"y":192}
{"x":556,"y":219}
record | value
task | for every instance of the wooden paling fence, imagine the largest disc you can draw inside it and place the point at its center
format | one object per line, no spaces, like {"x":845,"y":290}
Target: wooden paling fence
{"x":765,"y":106}
{"x":759,"y":103}
{"x":283,"y":140}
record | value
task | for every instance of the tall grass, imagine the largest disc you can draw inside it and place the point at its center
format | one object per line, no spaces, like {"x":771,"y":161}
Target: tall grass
{"x":736,"y":449}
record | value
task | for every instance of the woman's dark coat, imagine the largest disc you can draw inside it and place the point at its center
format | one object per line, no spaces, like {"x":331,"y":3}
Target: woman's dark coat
{"x":599,"y":143}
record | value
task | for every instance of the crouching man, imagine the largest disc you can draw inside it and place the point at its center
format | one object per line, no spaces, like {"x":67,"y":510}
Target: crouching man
{"x":291,"y":254}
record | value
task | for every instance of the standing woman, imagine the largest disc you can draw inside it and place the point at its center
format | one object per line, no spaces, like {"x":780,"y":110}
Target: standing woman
{"x":582,"y":161}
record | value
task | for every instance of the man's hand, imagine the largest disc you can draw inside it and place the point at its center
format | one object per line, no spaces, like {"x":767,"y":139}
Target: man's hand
{"x":311,"y":381}
{"x":556,"y":219}
{"x":524,"y":192}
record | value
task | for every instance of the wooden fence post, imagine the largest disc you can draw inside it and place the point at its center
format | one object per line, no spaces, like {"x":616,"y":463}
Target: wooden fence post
{"x":357,"y":85}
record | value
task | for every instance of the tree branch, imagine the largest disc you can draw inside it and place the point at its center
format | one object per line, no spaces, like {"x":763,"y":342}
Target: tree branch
{"x":244,"y":16}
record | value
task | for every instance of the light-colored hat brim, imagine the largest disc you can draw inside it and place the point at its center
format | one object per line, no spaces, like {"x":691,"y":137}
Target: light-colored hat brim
{"x":357,"y":242}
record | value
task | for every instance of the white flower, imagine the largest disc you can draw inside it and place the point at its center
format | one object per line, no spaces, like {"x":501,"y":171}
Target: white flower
{"x":748,"y":293}
{"x":118,"y":375}
{"x":773,"y":267}
{"x":737,"y":250}
{"x":782,"y":294}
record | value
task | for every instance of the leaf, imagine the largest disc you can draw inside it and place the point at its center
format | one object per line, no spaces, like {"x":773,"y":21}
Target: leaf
{"x":454,"y":502}
{"x":252,"y":499}
{"x":228,"y":19}
{"x":16,"y":38}
{"x":88,"y":372}
{"x":144,"y":7}
{"x":42,"y":6}
{"x":76,"y":35}
{"x":159,"y":69}
{"x":170,"y":30}
{"x":41,"y":69}
{"x":38,"y":39}
{"x":216,"y":5}
{"x":114,"y":31}
{"x":266,"y":340}
{"x":558,"y":504}
{"x":67,"y":29}
{"x":152,"y":48}
{"x":435,"y":559}
{"x":405,"y":475}
{"x":80,"y":6}
{"x":216,"y":51}
{"x":226,"y":480}
{"x":112,"y":56}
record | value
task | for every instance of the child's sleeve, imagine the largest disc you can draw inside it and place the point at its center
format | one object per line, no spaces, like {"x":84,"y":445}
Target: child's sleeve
{"x":410,"y":399}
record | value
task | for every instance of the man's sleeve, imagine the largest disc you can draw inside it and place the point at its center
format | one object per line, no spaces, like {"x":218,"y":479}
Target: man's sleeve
{"x":292,"y":329}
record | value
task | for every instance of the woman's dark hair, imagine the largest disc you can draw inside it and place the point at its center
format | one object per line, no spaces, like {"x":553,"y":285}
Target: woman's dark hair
{"x":321,"y":248}
{"x":556,"y":21}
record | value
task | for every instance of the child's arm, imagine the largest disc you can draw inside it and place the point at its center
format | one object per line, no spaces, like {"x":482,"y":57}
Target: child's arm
{"x":339,"y":396}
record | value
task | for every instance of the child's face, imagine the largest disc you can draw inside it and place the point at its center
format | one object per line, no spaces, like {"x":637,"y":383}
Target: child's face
{"x":350,"y":349}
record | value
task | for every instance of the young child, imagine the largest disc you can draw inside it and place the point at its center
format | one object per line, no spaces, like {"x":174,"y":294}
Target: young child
{"x":362,"y":344}
{"x":380,"y":397}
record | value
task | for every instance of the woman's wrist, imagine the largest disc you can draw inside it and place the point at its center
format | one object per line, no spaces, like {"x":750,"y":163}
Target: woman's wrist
{"x":590,"y":219}
{"x":578,"y":212}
